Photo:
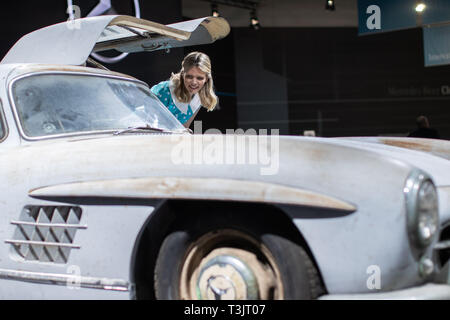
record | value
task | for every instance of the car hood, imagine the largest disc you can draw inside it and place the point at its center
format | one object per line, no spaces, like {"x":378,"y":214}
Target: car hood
{"x":254,"y":168}
{"x":439,"y":148}
{"x":430,"y":155}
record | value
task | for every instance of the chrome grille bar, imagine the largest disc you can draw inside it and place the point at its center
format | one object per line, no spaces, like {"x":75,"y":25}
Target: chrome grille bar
{"x":43,"y":243}
{"x":57,"y":225}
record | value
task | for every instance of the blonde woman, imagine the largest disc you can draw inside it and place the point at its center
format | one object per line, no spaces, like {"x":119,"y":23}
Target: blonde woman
{"x":188,"y":90}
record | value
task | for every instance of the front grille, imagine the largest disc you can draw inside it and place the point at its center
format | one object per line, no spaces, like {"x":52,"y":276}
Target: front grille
{"x":443,"y":246}
{"x":46,"y":233}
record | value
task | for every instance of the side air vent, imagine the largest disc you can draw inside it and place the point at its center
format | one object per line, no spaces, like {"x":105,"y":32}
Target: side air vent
{"x":46,"y":233}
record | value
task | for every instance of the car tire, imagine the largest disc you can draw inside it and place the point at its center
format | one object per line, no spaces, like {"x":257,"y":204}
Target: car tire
{"x":245,"y":263}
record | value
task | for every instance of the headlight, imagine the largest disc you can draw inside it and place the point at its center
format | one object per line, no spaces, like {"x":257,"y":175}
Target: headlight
{"x":422,"y":209}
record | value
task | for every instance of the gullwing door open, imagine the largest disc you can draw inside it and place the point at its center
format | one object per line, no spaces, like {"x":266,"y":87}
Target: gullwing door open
{"x":72,"y":42}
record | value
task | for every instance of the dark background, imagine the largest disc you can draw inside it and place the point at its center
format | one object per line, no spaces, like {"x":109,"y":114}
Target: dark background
{"x":325,"y":79}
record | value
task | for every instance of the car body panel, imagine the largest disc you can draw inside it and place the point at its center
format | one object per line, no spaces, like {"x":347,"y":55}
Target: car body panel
{"x":345,"y":197}
{"x":308,"y":155}
{"x":321,"y":168}
{"x":429,"y":154}
{"x":199,"y":31}
{"x":439,"y":148}
{"x":419,"y":155}
{"x":71,"y":42}
{"x":92,"y":274}
{"x":192,"y":188}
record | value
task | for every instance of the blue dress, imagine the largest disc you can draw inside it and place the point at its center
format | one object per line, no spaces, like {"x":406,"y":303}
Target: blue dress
{"x":182,"y":111}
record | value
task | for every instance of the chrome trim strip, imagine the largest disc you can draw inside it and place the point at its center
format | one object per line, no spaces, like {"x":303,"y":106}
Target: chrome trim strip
{"x":44,"y":243}
{"x":442,"y":245}
{"x":68,"y":280}
{"x":3,"y":122}
{"x":57,"y":225}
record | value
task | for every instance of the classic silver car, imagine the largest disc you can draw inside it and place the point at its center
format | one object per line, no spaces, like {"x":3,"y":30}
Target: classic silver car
{"x":105,"y":195}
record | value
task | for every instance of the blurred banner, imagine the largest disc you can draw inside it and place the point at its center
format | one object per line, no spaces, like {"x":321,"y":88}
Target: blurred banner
{"x":436,"y":45}
{"x":388,"y":15}
{"x":436,"y":33}
{"x":375,"y":16}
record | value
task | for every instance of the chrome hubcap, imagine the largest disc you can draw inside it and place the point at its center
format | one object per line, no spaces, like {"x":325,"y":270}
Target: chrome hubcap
{"x":216,"y":270}
{"x":226,"y":277}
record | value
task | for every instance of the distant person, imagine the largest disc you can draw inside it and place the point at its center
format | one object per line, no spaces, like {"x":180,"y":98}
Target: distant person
{"x":423,"y":129}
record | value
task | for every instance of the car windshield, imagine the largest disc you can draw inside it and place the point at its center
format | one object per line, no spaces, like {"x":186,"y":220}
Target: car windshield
{"x":54,"y":104}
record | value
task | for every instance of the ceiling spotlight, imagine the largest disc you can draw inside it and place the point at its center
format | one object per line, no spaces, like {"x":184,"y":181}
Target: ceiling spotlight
{"x":215,"y":10}
{"x":329,"y":5}
{"x":254,"y":21}
{"x":420,"y":7}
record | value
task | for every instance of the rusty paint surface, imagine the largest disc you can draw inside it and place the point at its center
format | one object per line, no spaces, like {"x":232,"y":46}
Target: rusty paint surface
{"x":311,"y":172}
{"x":414,"y":145}
{"x":439,"y":148}
{"x":436,"y":147}
{"x":150,"y":26}
{"x":194,"y":188}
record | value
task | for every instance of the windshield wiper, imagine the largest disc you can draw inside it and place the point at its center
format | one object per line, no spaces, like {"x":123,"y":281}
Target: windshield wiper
{"x":140,"y":128}
{"x":183,"y":131}
{"x":147,"y":127}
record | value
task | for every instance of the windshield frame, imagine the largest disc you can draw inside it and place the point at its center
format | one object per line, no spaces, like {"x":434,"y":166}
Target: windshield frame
{"x":76,"y":73}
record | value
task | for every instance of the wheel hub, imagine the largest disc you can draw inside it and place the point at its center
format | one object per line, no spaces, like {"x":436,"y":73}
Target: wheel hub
{"x":215,"y":270}
{"x":226,"y":277}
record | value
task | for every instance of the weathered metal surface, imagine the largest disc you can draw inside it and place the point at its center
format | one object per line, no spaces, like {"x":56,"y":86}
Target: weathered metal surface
{"x":73,"y":281}
{"x":72,"y":42}
{"x":317,"y":165}
{"x":62,"y":43}
{"x":194,"y":188}
{"x":198,"y":32}
{"x":138,"y":165}
{"x":440,"y":148}
{"x":367,"y":177}
{"x":427,"y":154}
{"x":102,"y":262}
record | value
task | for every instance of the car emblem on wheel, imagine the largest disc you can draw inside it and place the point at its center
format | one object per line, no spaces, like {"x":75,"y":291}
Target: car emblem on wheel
{"x":220,"y":286}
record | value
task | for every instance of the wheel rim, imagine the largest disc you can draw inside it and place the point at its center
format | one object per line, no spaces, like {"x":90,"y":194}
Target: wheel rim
{"x":229,"y":265}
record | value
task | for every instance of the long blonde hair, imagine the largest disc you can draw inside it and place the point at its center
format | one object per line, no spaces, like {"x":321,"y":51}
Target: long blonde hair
{"x":207,"y":96}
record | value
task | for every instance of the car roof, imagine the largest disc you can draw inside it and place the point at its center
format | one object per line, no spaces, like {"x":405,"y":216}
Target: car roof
{"x":71,"y":42}
{"x":17,"y":70}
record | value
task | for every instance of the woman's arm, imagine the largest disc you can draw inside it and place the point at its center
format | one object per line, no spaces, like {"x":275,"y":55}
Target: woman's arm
{"x":187,"y":124}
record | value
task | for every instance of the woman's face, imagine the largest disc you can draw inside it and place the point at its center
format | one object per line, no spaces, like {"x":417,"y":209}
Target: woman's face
{"x":194,"y":80}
